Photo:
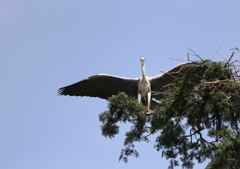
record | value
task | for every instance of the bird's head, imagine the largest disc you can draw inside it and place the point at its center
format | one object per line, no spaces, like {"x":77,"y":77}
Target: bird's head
{"x":142,"y":61}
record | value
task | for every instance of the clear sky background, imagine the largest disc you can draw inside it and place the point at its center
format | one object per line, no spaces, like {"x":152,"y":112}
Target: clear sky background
{"x":48,"y":44}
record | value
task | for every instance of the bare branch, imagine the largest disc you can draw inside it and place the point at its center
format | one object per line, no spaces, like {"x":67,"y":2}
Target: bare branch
{"x":180,"y":59}
{"x":235,"y":49}
{"x":219,"y":48}
{"x":230,"y":58}
{"x":195,"y":54}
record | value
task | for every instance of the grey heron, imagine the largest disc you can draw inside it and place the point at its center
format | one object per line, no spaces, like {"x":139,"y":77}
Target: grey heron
{"x":104,"y":86}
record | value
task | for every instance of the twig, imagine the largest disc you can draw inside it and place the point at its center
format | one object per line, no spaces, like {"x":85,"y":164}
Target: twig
{"x":180,"y":59}
{"x":194,"y":54}
{"x":219,"y":48}
{"x":235,"y":49}
{"x":209,"y":142}
{"x":216,"y":81}
{"x":230,"y":58}
{"x":188,"y":56}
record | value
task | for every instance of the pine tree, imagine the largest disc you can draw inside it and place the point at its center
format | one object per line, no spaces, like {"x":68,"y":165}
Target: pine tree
{"x":206,"y":99}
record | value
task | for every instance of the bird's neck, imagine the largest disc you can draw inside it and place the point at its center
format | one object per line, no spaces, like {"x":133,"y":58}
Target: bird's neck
{"x":143,"y":73}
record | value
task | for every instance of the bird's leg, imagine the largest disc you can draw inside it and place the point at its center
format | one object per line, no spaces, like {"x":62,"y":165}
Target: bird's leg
{"x":148,"y":106}
{"x":139,"y":97}
{"x":149,"y":100}
{"x":141,"y":101}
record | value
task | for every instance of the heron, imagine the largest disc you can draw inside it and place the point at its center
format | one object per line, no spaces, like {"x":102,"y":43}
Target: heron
{"x":142,"y":88}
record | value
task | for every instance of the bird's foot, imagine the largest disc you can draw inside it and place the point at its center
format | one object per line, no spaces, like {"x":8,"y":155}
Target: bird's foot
{"x":150,"y":111}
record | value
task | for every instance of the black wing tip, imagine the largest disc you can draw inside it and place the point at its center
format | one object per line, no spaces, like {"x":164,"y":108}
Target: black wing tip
{"x":61,"y":91}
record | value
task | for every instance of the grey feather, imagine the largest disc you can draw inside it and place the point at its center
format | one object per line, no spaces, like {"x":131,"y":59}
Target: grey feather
{"x":102,"y":86}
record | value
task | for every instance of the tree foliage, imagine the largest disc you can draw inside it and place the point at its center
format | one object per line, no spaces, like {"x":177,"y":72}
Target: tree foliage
{"x":197,"y":120}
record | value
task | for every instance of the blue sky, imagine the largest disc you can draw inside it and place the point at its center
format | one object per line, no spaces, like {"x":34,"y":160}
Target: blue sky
{"x":48,"y":44}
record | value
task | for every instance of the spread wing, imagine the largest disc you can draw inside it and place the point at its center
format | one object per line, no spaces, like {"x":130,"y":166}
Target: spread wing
{"x":162,"y":82}
{"x":102,"y":86}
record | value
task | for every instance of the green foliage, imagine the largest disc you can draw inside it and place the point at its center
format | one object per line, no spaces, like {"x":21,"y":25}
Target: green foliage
{"x":204,"y":100}
{"x":125,"y":109}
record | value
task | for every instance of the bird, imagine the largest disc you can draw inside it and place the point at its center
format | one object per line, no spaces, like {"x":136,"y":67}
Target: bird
{"x":145,"y":89}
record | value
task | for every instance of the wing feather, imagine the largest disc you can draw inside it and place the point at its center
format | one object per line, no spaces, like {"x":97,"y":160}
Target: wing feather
{"x":102,"y":86}
{"x":162,"y":82}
